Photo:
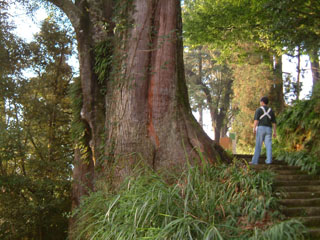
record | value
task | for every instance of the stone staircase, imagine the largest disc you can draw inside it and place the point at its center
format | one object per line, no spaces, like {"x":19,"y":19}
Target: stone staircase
{"x":299,"y":194}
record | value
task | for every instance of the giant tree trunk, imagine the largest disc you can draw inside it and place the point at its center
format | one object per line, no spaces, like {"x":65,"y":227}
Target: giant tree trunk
{"x":145,"y":115}
{"x":148,"y":113}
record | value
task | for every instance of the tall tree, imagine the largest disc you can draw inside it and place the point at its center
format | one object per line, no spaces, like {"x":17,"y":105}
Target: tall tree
{"x":132,"y":50}
{"x":255,"y":76}
{"x":294,"y":24}
{"x":36,"y":145}
{"x":234,"y":28}
{"x":210,"y":86}
{"x":228,"y":25}
{"x":277,"y":25}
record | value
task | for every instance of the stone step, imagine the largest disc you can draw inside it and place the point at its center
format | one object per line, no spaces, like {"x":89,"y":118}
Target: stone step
{"x":274,"y":167}
{"x":296,"y":177}
{"x":284,"y":167}
{"x":300,"y":202}
{"x":248,"y":157}
{"x":298,"y":195}
{"x":313,"y":221}
{"x":300,"y":211}
{"x":262,"y":159}
{"x":313,"y":233}
{"x":278,"y":183}
{"x":288,"y":172}
{"x":313,"y":188}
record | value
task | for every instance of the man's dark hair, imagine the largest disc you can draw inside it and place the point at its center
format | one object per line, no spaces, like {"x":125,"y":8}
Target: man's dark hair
{"x":265,"y":100}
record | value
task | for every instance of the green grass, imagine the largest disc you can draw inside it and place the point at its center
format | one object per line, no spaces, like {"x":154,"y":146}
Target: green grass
{"x":289,"y":230}
{"x":215,"y":202}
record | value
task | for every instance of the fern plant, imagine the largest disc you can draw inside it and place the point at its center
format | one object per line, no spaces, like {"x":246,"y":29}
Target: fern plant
{"x":298,"y":131}
{"x":303,"y":159}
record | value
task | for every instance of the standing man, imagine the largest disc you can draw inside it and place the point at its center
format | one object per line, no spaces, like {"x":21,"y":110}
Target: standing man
{"x":264,"y":122}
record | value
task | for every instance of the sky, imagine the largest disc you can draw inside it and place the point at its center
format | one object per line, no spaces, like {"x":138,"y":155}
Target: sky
{"x":290,"y":65}
{"x":27,"y":27}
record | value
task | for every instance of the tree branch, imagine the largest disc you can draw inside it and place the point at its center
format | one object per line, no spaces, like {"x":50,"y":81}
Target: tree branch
{"x":70,"y":9}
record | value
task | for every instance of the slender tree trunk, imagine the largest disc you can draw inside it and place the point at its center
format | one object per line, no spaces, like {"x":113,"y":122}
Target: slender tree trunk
{"x":277,"y":96}
{"x":298,"y":74}
{"x":219,"y":117}
{"x":217,"y":129}
{"x":200,"y":109}
{"x":200,"y":81}
{"x":315,"y":69}
{"x":3,"y":116}
{"x":224,"y":131}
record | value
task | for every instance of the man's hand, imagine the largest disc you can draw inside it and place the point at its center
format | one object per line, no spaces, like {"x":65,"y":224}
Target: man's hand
{"x":274,"y":134}
{"x":255,"y":130}
{"x":255,"y":126}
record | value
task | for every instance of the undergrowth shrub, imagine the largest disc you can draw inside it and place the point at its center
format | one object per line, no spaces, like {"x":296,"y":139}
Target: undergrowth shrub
{"x":298,"y":134}
{"x":288,"y":230}
{"x":212,"y":202}
{"x":306,"y":161}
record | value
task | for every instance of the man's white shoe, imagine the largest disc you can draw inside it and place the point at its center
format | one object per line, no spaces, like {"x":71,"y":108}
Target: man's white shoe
{"x":251,"y":163}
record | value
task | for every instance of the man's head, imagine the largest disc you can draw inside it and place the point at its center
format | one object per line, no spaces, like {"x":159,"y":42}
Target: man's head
{"x":264,"y":101}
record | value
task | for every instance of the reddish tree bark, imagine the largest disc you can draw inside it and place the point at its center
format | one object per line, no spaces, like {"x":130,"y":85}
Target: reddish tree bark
{"x":145,"y":115}
{"x":154,"y":119}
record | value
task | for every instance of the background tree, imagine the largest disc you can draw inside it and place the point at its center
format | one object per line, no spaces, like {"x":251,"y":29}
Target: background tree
{"x":295,"y":25}
{"x":11,"y":139}
{"x":36,"y":144}
{"x":280,"y":26}
{"x":254,"y":77}
{"x":233,"y":28}
{"x":210,"y":86}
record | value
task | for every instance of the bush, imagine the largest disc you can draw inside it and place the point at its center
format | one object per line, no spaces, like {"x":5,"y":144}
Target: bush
{"x":303,"y":159}
{"x":215,"y":202}
{"x":298,"y":134}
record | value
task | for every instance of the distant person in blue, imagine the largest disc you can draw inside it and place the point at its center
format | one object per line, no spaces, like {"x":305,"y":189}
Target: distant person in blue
{"x":264,"y":123}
